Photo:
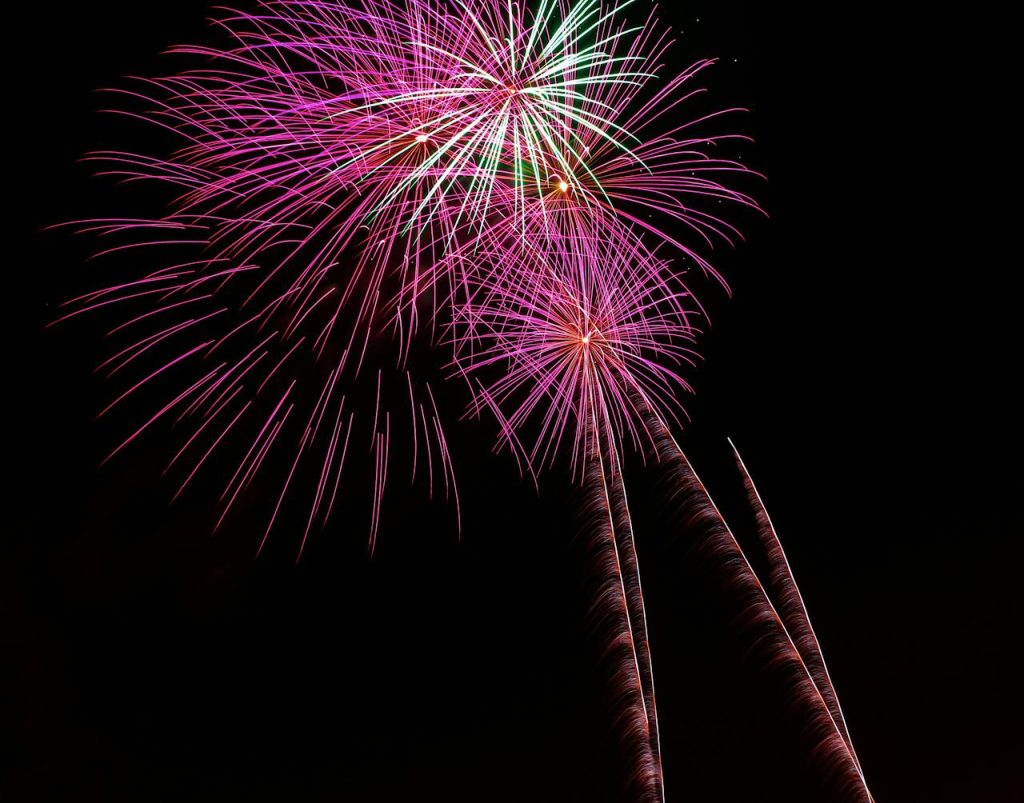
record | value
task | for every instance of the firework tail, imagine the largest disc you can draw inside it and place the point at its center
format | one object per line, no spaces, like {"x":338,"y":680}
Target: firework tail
{"x":705,"y":527}
{"x":783,"y":589}
{"x":630,"y":569}
{"x":613,"y":616}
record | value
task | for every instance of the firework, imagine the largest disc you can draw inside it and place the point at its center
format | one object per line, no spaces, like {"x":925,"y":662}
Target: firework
{"x":568,"y":339}
{"x":344,"y":173}
{"x":357,"y":186}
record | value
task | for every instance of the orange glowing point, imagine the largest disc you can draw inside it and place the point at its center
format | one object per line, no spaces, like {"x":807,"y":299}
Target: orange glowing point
{"x":563,"y":186}
{"x":586,"y":339}
{"x":421,"y":138}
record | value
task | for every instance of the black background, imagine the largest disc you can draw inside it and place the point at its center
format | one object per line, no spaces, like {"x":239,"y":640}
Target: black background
{"x":865,"y":367}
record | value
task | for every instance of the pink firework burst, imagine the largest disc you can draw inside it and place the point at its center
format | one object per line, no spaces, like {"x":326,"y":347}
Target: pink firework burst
{"x":348,"y":176}
{"x":562,"y":352}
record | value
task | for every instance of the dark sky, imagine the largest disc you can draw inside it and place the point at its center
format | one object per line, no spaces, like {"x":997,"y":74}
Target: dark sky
{"x":865,"y":368}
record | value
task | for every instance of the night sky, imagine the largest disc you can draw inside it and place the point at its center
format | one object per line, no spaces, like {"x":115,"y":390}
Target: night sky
{"x":864,"y":368}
